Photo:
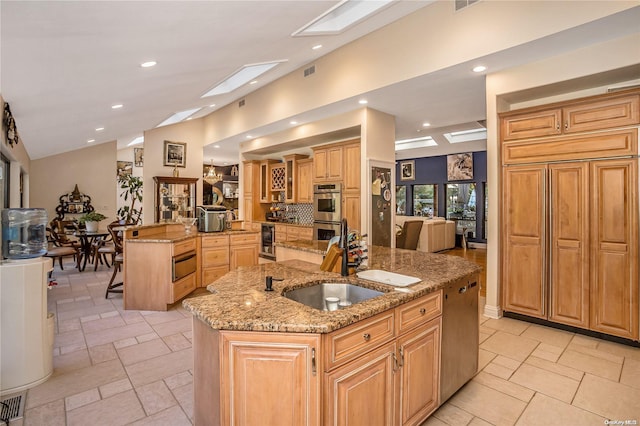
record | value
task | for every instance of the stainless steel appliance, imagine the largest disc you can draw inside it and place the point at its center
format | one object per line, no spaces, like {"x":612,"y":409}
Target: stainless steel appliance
{"x":460,"y":334}
{"x":325,"y":230}
{"x":183,"y":265}
{"x":268,"y":241}
{"x":211,"y":218}
{"x":327,"y":202}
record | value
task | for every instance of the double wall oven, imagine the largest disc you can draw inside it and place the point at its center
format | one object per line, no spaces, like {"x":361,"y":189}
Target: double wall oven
{"x":327,"y":210}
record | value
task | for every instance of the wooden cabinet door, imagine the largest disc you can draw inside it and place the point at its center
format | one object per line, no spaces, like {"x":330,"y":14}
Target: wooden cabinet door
{"x":320,"y":157}
{"x":245,"y":255}
{"x":304,"y":184}
{"x":351,"y":206}
{"x":362,"y":392}
{"x":250,"y":395}
{"x":569,"y":244}
{"x":419,"y":361}
{"x":603,"y":114}
{"x":532,"y":124}
{"x":614,"y":247}
{"x":523,"y":257}
{"x":334,"y":163}
{"x":247,"y":178}
{"x":351,"y":175}
{"x":247,"y":208}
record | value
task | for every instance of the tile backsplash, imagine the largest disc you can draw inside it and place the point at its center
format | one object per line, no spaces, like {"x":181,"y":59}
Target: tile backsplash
{"x":303,"y":211}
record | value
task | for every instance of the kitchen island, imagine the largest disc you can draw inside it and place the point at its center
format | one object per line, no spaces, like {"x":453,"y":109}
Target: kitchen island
{"x":261,"y":358}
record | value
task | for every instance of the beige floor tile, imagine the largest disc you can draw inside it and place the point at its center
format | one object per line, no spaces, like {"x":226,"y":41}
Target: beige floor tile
{"x":154,"y":369}
{"x":479,"y":422}
{"x":50,"y":414}
{"x":131,"y":317}
{"x":551,"y":384}
{"x":80,"y":399}
{"x":490,"y":405}
{"x":161,"y":317}
{"x":510,"y":345}
{"x":544,"y":410}
{"x":507,"y":387}
{"x":146,"y":337}
{"x":618,"y":349}
{"x":434,"y":421}
{"x":91,"y":310}
{"x":590,"y":342}
{"x":69,"y":325}
{"x":102,"y":353}
{"x":591,"y":364}
{"x":548,"y":335}
{"x":452,"y":415}
{"x":502,"y":367}
{"x":483,"y":336}
{"x":484,"y":358}
{"x":509,"y":325}
{"x":71,"y":361}
{"x":68,"y":305}
{"x":608,"y":399}
{"x":184,"y":395}
{"x":173,"y":327}
{"x":548,"y":352}
{"x":143,"y":351}
{"x":74,"y":382}
{"x":563,"y":370}
{"x":113,"y":388}
{"x":631,"y":373}
{"x":177,"y":342}
{"x":115,"y":334}
{"x":597,"y":353}
{"x":507,"y":362}
{"x":155,"y":397}
{"x":102,"y":324}
{"x":179,"y":379}
{"x":173,"y":416}
{"x":103,"y":413}
{"x":70,"y":338}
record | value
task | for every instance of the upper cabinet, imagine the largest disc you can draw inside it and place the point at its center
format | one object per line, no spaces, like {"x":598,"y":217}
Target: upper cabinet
{"x":304,"y":178}
{"x":293,"y":186}
{"x":327,"y":163}
{"x":174,"y":197}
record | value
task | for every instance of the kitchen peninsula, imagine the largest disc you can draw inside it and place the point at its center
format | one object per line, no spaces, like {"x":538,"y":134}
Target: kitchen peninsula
{"x":261,"y":358}
{"x":163,"y":263}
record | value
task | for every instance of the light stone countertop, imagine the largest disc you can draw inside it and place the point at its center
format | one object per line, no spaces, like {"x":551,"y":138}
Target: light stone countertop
{"x":177,"y":236}
{"x":239,"y":302}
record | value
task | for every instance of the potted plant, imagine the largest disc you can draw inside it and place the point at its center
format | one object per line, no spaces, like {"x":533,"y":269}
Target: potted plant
{"x":132,"y":186}
{"x":91,"y":220}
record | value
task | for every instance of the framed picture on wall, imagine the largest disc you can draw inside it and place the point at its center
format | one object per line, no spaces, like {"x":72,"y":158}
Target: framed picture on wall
{"x":138,"y":157}
{"x":408,"y":170}
{"x":124,"y":168}
{"x":460,"y":166}
{"x":175,"y":154}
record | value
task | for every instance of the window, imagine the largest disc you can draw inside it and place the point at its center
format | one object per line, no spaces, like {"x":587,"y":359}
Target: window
{"x":461,"y":207}
{"x":425,"y":200}
{"x":401,"y":200}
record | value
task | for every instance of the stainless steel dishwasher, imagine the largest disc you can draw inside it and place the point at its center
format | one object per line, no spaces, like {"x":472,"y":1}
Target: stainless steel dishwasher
{"x":460,"y":334}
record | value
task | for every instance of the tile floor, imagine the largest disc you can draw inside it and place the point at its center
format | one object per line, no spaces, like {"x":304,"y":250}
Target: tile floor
{"x":115,"y":367}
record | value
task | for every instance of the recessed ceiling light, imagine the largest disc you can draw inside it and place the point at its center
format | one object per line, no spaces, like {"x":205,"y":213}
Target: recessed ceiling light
{"x":340,"y":17}
{"x":179,"y":116}
{"x":116,"y":106}
{"x":317,"y":46}
{"x":253,"y":82}
{"x":293,"y":122}
{"x":136,"y":141}
{"x":91,"y":140}
{"x":363,"y":102}
{"x":212,"y":105}
{"x":99,"y":129}
{"x":249,"y":136}
{"x":225,"y":163}
{"x":479,"y":68}
{"x":426,"y":124}
{"x":216,"y":146}
{"x":240,"y":78}
{"x":148,"y":64}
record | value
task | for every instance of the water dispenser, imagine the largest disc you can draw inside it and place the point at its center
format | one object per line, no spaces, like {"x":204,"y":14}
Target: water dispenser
{"x":24,"y":233}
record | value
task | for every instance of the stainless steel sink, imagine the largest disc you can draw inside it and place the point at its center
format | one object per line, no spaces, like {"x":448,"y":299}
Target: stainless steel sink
{"x":315,"y":295}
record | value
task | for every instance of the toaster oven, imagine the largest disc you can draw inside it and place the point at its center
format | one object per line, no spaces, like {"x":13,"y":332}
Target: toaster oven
{"x":211,"y":218}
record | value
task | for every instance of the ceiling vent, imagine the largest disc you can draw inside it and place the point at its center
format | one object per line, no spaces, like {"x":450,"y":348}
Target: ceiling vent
{"x":309,"y":71}
{"x":461,"y":4}
{"x":241,"y":103}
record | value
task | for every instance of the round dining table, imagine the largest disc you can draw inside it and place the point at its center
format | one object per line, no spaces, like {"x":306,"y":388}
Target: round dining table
{"x":86,"y":240}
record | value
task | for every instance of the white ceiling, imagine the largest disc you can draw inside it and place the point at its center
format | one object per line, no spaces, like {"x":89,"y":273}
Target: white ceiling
{"x":65,"y":63}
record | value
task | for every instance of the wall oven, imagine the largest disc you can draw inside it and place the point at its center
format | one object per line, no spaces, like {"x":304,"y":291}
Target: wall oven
{"x":325,"y":230}
{"x":327,"y":202}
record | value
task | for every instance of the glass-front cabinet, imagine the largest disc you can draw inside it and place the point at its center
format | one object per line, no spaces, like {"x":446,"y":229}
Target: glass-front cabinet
{"x":174,"y":198}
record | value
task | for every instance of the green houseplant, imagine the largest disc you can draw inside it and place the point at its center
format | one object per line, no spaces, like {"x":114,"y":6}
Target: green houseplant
{"x":91,"y":220}
{"x":132,"y":190}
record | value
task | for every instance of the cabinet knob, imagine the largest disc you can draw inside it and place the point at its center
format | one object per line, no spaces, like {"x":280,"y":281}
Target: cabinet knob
{"x":366,"y":337}
{"x":423,"y":311}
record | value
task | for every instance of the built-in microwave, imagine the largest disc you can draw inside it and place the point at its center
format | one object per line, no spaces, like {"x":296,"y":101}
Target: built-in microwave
{"x":327,"y":202}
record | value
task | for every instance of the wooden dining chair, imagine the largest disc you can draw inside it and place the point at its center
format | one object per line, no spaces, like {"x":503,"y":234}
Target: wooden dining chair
{"x":60,"y":248}
{"x":118,"y":258}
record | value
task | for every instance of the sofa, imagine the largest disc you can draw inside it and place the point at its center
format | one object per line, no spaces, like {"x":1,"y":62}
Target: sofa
{"x":437,"y":234}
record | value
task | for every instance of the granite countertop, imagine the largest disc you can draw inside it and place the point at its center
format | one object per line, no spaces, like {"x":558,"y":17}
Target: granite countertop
{"x":239,"y":302}
{"x":273,"y":222}
{"x":311,"y":246}
{"x":177,"y":236}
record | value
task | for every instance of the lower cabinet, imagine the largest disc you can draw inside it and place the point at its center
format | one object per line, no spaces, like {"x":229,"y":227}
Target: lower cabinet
{"x":220,"y":254}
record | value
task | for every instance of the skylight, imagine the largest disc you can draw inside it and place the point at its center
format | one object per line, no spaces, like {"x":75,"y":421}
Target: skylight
{"x":179,"y":116}
{"x":241,"y":77}
{"x":136,"y":141}
{"x":404,"y":144}
{"x":466,"y":135}
{"x":342,"y":16}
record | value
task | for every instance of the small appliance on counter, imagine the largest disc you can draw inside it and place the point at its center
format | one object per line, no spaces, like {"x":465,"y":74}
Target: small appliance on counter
{"x":211,"y":218}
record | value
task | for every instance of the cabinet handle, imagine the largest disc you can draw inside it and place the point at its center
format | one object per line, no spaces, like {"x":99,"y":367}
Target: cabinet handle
{"x":401,"y":357}
{"x":558,"y":126}
{"x":313,"y":361}
{"x":366,"y":337}
{"x":566,"y":125}
{"x":396,"y":367}
{"x":423,"y":311}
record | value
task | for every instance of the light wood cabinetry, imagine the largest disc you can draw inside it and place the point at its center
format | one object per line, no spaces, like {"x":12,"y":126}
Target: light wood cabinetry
{"x":264,"y":180}
{"x":351,"y":167}
{"x":351,"y":209}
{"x":255,"y":177}
{"x":328,"y":163}
{"x":214,"y":257}
{"x":570,"y":246}
{"x":292,"y":233}
{"x":277,"y":177}
{"x":243,"y":249}
{"x":305,"y":181}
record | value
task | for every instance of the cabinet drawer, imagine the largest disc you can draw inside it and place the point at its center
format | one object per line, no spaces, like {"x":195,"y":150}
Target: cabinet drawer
{"x":248,"y":238}
{"x":183,"y":287}
{"x":215,"y":241}
{"x":419,"y":311}
{"x":348,"y":343}
{"x":215,"y":257}
{"x":184,"y":246}
{"x":532,"y":124}
{"x":604,"y":114}
{"x":209,"y":275}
